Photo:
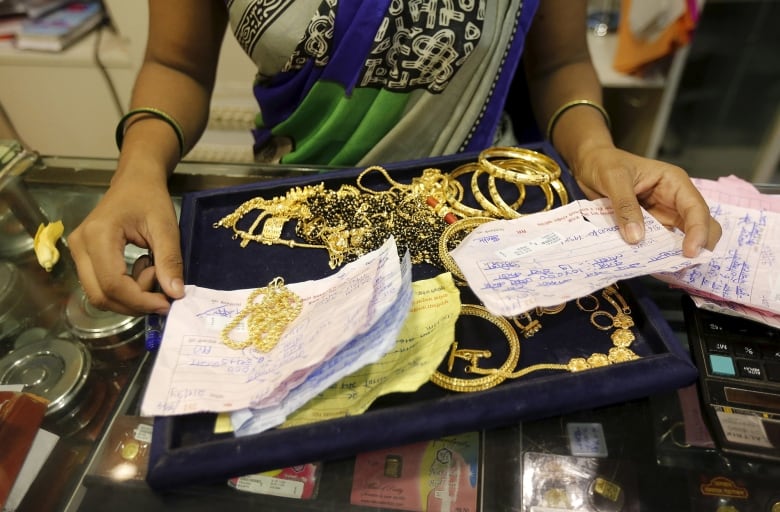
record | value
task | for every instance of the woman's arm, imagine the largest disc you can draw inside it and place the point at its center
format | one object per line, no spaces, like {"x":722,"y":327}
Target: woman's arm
{"x":177,"y":78}
{"x":559,"y":70}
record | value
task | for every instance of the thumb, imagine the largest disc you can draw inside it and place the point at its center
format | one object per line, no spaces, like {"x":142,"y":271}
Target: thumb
{"x":168,"y":264}
{"x":629,"y":217}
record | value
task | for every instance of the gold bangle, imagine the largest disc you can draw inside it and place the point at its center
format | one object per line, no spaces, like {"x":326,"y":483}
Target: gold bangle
{"x":546,"y":185}
{"x":491,"y":377}
{"x":456,"y":204}
{"x":532,"y":161}
{"x":510,"y":211}
{"x":559,"y":187}
{"x":159,"y":114}
{"x":522,"y":167}
{"x":483,"y":201}
{"x":566,"y":106}
{"x":515,"y":171}
{"x":448,"y":234}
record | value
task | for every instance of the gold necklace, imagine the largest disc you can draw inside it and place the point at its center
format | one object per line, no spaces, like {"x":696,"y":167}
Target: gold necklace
{"x":474,"y":356}
{"x":266,"y":320}
{"x":351,"y":221}
{"x":490,"y":377}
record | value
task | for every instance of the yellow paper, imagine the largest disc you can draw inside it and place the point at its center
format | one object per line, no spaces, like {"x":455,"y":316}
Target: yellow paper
{"x":222,"y":424}
{"x":422,"y":344}
{"x":45,"y":244}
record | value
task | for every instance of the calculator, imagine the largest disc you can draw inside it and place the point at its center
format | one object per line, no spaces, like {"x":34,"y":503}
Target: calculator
{"x":739,"y":379}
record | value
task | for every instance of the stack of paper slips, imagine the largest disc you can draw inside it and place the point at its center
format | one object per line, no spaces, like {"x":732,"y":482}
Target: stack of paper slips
{"x":348,"y":320}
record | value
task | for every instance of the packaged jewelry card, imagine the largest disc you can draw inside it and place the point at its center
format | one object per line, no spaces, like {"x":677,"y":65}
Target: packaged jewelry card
{"x":125,"y":454}
{"x":733,"y":491}
{"x":558,"y":483}
{"x":609,"y":346}
{"x":429,"y":476}
{"x":299,"y":482}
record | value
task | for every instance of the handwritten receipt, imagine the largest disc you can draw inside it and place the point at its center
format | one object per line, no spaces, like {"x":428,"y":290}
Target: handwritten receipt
{"x":743,"y":267}
{"x":551,"y":257}
{"x":196,"y":372}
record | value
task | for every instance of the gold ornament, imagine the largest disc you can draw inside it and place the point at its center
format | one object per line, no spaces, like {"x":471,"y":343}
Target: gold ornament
{"x":266,"y":320}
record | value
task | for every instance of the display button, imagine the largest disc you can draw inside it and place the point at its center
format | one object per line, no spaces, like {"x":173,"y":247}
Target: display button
{"x":750,"y":351}
{"x":722,"y":365}
{"x":772,"y":371}
{"x":751,"y":369}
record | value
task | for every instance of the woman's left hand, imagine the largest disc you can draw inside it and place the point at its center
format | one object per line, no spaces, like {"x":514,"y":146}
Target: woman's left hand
{"x":664,"y":190}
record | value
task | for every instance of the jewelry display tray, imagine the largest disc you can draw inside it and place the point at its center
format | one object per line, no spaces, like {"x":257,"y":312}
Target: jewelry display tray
{"x":185,"y":450}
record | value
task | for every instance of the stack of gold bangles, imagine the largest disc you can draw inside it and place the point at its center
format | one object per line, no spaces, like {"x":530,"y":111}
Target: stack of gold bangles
{"x":519,"y":167}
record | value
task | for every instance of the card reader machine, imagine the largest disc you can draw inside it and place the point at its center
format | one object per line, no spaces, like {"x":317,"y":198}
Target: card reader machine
{"x":739,"y":379}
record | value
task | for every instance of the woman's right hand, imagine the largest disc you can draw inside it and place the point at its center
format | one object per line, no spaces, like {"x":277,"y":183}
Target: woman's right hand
{"x":136,"y":208}
{"x":177,"y":78}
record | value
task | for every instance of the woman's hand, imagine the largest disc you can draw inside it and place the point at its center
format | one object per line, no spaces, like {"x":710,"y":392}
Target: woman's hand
{"x":135,"y":209}
{"x":664,"y":190}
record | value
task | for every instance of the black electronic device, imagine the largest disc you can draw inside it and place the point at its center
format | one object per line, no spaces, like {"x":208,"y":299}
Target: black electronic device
{"x":739,"y":379}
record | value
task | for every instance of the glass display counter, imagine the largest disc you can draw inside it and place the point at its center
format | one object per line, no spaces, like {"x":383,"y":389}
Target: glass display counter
{"x":87,"y":363}
{"x":637,"y":455}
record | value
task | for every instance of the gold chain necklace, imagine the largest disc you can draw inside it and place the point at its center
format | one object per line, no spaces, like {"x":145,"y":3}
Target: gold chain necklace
{"x":348,"y":222}
{"x":266,"y":320}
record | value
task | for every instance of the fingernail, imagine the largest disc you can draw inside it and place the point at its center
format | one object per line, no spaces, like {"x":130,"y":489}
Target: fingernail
{"x":634,"y":233}
{"x":692,"y":253}
{"x":163,"y":311}
{"x":177,"y":287}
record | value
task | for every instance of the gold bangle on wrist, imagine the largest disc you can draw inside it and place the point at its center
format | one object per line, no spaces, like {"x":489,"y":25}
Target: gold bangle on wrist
{"x":571,"y":104}
{"x":154,"y":112}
